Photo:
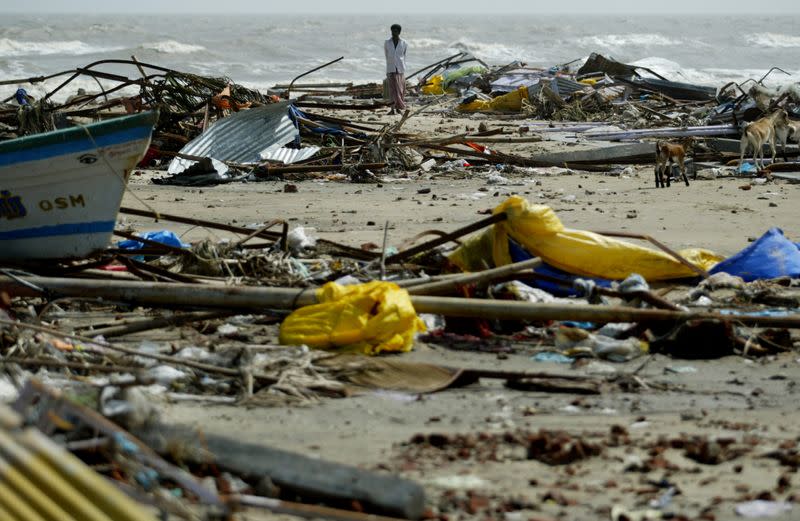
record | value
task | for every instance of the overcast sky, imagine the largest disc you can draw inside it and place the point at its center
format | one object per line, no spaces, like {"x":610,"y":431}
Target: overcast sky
{"x":405,"y":7}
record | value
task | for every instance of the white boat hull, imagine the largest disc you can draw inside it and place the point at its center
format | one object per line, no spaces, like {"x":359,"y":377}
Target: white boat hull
{"x":60,"y":200}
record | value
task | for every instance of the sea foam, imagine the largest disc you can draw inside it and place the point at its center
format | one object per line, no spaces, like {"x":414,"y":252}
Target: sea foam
{"x":614,"y":41}
{"x":9,"y":47}
{"x":173,"y":47}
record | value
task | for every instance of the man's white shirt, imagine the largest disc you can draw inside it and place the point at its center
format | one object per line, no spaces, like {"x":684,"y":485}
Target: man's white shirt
{"x":395,"y":56}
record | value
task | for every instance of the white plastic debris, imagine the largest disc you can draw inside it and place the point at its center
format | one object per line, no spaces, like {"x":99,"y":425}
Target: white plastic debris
{"x":703,"y":301}
{"x":299,"y":241}
{"x":347,"y":280}
{"x":8,"y":392}
{"x":148,"y":347}
{"x":433,"y":322}
{"x":452,"y":165}
{"x":521,"y":291}
{"x":165,"y":374}
{"x":722,"y":280}
{"x":227,"y":330}
{"x":761,"y":508}
{"x":619,"y":513}
{"x":198,"y":354}
{"x":427,"y":165}
{"x":495,"y":178}
{"x":600,"y":368}
{"x":574,"y":341}
{"x":466,"y":482}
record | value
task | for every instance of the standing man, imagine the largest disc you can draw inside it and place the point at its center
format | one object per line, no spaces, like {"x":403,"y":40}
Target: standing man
{"x":395,"y":50}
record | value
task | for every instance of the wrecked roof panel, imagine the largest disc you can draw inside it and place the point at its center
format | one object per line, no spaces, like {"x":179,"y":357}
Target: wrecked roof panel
{"x":240,"y":137}
{"x":289,"y":156}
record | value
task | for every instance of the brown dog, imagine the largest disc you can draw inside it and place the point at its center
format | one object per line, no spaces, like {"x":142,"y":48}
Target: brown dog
{"x":759,"y":133}
{"x":789,"y":132}
{"x":668,"y":154}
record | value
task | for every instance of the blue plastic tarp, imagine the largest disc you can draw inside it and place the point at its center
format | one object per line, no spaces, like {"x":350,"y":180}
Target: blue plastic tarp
{"x":770,"y":257}
{"x":330,"y":129}
{"x":162,"y":236}
{"x":518,"y":254}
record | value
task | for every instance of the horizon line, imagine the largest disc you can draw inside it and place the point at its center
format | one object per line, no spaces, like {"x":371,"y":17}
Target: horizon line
{"x":427,"y":13}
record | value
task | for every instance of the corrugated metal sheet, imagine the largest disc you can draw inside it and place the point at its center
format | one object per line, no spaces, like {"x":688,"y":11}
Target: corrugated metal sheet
{"x":514,"y":79}
{"x":287,"y":156}
{"x":240,"y":137}
{"x":560,"y":85}
{"x":565,"y":86}
{"x":41,"y":480}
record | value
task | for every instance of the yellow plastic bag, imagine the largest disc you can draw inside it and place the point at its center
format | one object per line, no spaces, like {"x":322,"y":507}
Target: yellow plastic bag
{"x":365,"y":318}
{"x":434,"y":86}
{"x":537,"y":229}
{"x":511,"y":102}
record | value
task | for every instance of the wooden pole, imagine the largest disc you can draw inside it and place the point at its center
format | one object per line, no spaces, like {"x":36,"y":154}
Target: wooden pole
{"x":171,"y":295}
{"x":448,"y":285}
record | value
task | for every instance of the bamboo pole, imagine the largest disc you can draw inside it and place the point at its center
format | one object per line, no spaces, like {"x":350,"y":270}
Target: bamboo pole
{"x":260,"y":298}
{"x":427,"y":246}
{"x":137,"y":326}
{"x":304,"y":511}
{"x":448,"y":285}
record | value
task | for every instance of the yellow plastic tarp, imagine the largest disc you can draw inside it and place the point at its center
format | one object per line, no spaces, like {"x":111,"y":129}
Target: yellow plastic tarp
{"x":537,"y":229}
{"x":511,"y":102}
{"x":434,"y":86}
{"x":441,"y":84}
{"x":366,"y":318}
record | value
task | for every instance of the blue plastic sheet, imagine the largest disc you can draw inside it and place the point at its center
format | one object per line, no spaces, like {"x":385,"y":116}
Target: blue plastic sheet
{"x":548,"y":356}
{"x":771,"y":256}
{"x":518,"y":253}
{"x":162,"y":236}
{"x":328,"y":129}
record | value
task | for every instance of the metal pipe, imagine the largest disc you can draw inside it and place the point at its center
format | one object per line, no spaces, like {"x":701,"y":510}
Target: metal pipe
{"x":289,"y":90}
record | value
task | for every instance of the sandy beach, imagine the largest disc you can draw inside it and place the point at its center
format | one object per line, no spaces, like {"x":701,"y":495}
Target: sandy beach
{"x":715,"y":212}
{"x":743,"y":401}
{"x":178,"y":374}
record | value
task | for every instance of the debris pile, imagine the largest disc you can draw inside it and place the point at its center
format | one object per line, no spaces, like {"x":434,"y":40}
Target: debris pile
{"x":279,"y":318}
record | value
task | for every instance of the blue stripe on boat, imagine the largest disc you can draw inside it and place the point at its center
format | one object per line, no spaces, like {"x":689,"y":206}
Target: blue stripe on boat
{"x":78,"y":145}
{"x":58,"y":229}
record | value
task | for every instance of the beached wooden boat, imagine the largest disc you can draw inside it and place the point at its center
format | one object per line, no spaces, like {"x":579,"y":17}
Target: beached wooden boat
{"x":603,"y":153}
{"x":60,"y":191}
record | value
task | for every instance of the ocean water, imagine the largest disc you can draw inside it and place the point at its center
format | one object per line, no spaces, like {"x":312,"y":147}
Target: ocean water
{"x":261,"y":50}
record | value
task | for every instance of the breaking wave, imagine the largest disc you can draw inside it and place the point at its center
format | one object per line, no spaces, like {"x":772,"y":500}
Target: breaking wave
{"x":9,"y":47}
{"x":622,"y":40}
{"x":490,"y":52}
{"x":711,"y":76}
{"x":774,"y":40}
{"x":173,"y":47}
{"x":427,"y":43}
